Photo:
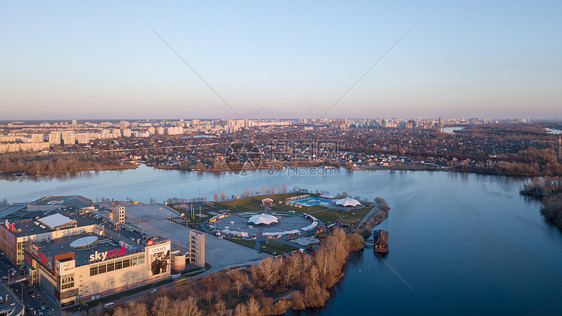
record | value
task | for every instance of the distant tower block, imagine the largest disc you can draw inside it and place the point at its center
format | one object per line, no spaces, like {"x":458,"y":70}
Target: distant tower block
{"x":197,"y":248}
{"x":559,"y":148}
{"x":118,"y":214}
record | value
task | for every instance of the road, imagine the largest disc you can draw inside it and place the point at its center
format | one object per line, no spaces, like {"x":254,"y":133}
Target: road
{"x":375,"y":208}
{"x":33,"y":298}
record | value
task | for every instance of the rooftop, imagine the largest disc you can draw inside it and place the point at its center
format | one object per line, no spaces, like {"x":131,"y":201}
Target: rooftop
{"x":6,"y":210}
{"x":56,"y":220}
{"x":63,"y":200}
{"x":82,"y":256}
{"x":39,"y":224}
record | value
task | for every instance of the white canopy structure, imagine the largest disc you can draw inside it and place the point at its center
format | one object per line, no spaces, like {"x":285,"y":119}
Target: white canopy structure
{"x":56,"y":220}
{"x":263,"y":218}
{"x":348,"y":202}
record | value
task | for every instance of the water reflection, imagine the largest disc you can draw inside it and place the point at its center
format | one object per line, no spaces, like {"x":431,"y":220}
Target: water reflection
{"x":460,"y":240}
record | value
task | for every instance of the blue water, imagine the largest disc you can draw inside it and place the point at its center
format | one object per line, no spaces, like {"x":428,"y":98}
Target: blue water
{"x":459,"y":243}
{"x":311,"y":201}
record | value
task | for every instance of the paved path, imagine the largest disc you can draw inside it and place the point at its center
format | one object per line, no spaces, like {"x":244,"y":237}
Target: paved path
{"x":366,"y":217}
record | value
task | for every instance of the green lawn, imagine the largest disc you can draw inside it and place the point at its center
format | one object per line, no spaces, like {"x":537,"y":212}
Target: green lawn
{"x":271,"y":246}
{"x":254,"y":204}
{"x":351,"y":216}
{"x":267,"y":246}
{"x":244,"y":242}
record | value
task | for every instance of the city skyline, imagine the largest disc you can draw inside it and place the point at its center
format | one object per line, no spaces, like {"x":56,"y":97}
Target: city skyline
{"x":281,"y":60}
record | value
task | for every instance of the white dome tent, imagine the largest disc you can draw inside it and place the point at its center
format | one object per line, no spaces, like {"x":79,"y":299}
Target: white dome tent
{"x":347,"y":202}
{"x":263,"y":219}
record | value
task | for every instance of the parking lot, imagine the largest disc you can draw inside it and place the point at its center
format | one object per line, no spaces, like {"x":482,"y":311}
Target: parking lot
{"x":35,"y":301}
{"x":220,"y":253}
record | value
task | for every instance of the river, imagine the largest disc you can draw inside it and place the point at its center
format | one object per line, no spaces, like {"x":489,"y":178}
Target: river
{"x":459,"y":243}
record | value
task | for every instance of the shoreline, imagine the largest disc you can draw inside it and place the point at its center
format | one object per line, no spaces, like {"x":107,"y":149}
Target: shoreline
{"x":39,"y":176}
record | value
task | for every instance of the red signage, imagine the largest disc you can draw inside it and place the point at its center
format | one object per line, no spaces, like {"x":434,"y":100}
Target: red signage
{"x":149,"y":243}
{"x":42,"y":257}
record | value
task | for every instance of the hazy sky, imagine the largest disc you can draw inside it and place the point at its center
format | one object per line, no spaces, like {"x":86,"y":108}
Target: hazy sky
{"x":280,"y":59}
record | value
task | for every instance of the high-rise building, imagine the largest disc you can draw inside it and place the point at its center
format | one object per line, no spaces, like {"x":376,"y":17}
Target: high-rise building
{"x":197,"y":248}
{"x":124,"y":124}
{"x":37,"y":138}
{"x":54,"y":138}
{"x":118,"y":214}
{"x":69,"y":138}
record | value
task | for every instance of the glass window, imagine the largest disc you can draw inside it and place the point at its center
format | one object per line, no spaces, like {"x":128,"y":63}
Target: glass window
{"x":140,"y":259}
{"x":93,"y":270}
{"x":134,"y":261}
{"x":126,"y":262}
{"x":110,"y":267}
{"x":118,"y":264}
{"x":101,"y":268}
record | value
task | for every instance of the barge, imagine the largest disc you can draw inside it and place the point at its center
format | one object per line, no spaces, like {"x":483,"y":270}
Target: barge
{"x":381,"y":241}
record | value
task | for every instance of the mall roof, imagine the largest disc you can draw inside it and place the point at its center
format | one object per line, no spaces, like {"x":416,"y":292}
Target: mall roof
{"x":63,"y":200}
{"x":84,"y":242}
{"x":55,"y":220}
{"x":62,"y":245}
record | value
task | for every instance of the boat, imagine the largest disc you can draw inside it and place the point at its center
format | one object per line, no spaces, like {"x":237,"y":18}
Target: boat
{"x":381,"y":241}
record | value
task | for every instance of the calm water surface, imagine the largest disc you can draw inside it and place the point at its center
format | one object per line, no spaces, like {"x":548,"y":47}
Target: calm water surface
{"x":459,"y":244}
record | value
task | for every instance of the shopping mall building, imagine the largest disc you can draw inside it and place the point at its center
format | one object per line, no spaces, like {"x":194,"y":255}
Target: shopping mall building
{"x":77,"y":253}
{"x":89,"y":265}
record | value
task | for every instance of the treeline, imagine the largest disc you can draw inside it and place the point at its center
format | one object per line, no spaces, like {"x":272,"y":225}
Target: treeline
{"x":269,"y":288}
{"x":376,"y":218}
{"x":42,"y":164}
{"x":549,"y":190}
{"x":552,"y":209}
{"x":542,"y":187}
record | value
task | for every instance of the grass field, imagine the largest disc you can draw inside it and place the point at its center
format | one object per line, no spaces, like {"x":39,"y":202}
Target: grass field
{"x":351,"y":216}
{"x":254,"y":204}
{"x":274,"y":247}
{"x":244,"y":242}
{"x":268,"y":246}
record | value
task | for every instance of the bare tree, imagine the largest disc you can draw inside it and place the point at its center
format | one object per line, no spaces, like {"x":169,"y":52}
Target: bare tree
{"x":253,"y":307}
{"x":189,"y":307}
{"x":220,"y":307}
{"x":240,"y":310}
{"x":238,"y":286}
{"x":138,"y":309}
{"x":161,"y":306}
{"x":120,"y":311}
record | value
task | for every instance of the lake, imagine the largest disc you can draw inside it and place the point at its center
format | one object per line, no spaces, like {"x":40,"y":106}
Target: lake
{"x":459,"y":243}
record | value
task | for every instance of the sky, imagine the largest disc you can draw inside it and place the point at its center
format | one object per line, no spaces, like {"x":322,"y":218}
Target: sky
{"x":280,"y":59}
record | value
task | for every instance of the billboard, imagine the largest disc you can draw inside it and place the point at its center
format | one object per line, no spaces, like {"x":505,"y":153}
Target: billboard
{"x":159,"y":259}
{"x":65,"y":267}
